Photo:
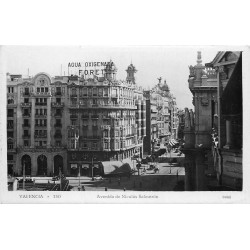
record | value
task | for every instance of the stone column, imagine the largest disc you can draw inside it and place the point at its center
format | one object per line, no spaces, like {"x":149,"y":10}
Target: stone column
{"x":228,"y":134}
{"x":189,"y":171}
{"x":32,"y":124}
{"x":200,"y":171}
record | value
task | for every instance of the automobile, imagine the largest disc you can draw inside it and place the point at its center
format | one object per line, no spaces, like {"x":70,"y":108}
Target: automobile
{"x":98,"y":178}
{"x":27,"y":180}
{"x":151,"y":167}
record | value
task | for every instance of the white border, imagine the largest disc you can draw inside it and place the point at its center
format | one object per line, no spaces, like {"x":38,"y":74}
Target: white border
{"x":162,"y":197}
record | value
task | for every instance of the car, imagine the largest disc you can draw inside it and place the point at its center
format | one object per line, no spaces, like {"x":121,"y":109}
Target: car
{"x":98,"y":178}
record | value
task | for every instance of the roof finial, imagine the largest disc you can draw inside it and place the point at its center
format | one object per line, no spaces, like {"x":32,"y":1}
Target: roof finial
{"x":199,"y":60}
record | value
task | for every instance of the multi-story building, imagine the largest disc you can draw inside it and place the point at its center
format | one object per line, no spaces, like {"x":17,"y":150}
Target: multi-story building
{"x":73,"y":123}
{"x":217,"y":99}
{"x":161,"y":117}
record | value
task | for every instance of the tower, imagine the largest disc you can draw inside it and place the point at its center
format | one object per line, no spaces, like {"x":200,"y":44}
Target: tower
{"x":131,"y":70}
{"x":110,"y":71}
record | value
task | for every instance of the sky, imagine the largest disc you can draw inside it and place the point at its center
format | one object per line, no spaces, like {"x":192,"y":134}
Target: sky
{"x":152,"y":62}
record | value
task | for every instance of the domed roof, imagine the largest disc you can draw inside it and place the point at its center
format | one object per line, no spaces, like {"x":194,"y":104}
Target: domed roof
{"x":131,"y":67}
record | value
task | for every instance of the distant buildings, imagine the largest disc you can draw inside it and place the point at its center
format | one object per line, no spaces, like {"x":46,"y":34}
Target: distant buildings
{"x":213,"y":135}
{"x":161,"y":117}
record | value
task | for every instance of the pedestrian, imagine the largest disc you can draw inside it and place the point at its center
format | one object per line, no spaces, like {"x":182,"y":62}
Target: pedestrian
{"x":124,"y":189}
{"x":83,"y":188}
{"x":106,"y":189}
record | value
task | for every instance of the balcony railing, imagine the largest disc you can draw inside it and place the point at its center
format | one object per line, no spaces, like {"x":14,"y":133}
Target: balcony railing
{"x":41,"y":103}
{"x":42,"y":94}
{"x":94,"y":116}
{"x":40,"y":115}
{"x":26,"y":115}
{"x":40,"y":125}
{"x":41,"y":136}
{"x":26,"y":125}
{"x":73,"y":116}
{"x":58,"y":114}
{"x":85,"y":116}
{"x":57,"y":105}
{"x":58,"y":135}
{"x":58,"y":93}
{"x":26,"y":93}
{"x":26,"y":104}
{"x":26,"y":136}
{"x":58,"y":125}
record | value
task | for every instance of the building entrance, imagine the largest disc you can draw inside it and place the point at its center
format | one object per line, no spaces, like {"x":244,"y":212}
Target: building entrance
{"x":42,"y":165}
{"x":26,"y":163}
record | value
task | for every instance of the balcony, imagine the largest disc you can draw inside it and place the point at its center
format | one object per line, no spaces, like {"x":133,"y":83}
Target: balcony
{"x":57,"y":105}
{"x":26,"y":125}
{"x":58,"y":114}
{"x":26,"y":114}
{"x":27,"y":136}
{"x":58,"y":125}
{"x":41,"y":103}
{"x":25,"y":94}
{"x":73,"y":116}
{"x":105,"y":127}
{"x":40,"y":125}
{"x":94,"y":116}
{"x":40,"y":147}
{"x":40,"y":115}
{"x":85,"y":116}
{"x":58,"y":136}
{"x":47,"y":94}
{"x":58,"y":93}
{"x":41,"y":136}
{"x":25,"y":104}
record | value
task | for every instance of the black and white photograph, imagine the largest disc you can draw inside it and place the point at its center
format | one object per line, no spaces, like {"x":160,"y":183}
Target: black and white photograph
{"x":123,"y":119}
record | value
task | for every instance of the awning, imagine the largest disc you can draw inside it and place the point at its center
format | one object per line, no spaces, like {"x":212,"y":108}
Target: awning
{"x":173,"y":142}
{"x":115,"y":167}
{"x":85,"y":165}
{"x":73,"y":166}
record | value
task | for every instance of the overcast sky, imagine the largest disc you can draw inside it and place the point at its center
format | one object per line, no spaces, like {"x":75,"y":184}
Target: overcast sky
{"x":170,"y":63}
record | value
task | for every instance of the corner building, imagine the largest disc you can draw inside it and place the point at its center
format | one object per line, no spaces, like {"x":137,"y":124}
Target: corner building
{"x":73,"y":123}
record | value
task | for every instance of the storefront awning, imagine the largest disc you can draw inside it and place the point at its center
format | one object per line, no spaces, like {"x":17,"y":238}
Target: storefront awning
{"x":115,"y":167}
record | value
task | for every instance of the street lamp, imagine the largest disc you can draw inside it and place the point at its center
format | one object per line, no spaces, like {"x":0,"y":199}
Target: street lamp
{"x":24,"y":165}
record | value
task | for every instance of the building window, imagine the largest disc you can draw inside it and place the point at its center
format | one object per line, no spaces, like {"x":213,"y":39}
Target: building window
{"x":10,"y":134}
{"x":105,"y":145}
{"x":105,"y":133}
{"x":105,"y":92}
{"x":116,"y":133}
{"x":10,"y":157}
{"x":26,"y":143}
{"x":10,"y":124}
{"x":94,"y":145}
{"x":58,"y":100}
{"x":46,"y":89}
{"x":10,"y":113}
{"x":10,"y":101}
{"x":89,"y":91}
{"x":94,"y":91}
{"x":38,"y":90}
{"x":10,"y":145}
{"x":58,"y":143}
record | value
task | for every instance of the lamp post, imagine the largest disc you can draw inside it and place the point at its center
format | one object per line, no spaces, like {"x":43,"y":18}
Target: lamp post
{"x":24,"y":165}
